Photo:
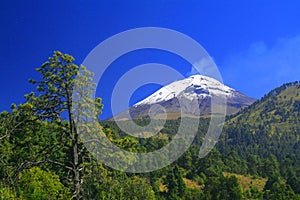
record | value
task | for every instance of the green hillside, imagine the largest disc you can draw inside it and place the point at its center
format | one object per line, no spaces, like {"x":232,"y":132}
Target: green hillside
{"x":43,"y":156}
{"x":278,"y":111}
{"x":259,"y":146}
{"x":269,"y":126}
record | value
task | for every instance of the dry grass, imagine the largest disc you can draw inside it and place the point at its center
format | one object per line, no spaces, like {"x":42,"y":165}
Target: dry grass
{"x":189,"y":184}
{"x":192,"y":184}
{"x":247,"y":181}
{"x":162,"y":187}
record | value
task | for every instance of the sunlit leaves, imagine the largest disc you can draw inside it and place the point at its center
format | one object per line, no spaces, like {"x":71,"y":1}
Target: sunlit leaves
{"x":38,"y":184}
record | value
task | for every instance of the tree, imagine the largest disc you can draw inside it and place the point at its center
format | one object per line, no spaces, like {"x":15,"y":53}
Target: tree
{"x":38,"y":184}
{"x":180,"y":182}
{"x":294,"y":182}
{"x":234,"y":189}
{"x":7,"y":193}
{"x":275,"y":188}
{"x":53,"y":102}
{"x":253,"y":193}
{"x":11,"y":122}
{"x":271,"y":167}
{"x":253,"y":164}
{"x":118,"y":185}
{"x":23,"y":138}
{"x":154,"y":181}
{"x":171,"y":184}
{"x":174,"y":182}
{"x":222,"y":188}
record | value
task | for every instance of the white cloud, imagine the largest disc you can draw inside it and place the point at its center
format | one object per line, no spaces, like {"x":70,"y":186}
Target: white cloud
{"x":263,"y":67}
{"x":207,"y":67}
{"x":193,"y":71}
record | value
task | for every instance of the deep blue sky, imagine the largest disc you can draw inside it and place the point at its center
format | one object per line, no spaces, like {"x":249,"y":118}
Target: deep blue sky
{"x":255,"y":43}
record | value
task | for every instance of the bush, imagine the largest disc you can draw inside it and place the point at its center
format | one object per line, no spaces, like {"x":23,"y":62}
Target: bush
{"x":38,"y":184}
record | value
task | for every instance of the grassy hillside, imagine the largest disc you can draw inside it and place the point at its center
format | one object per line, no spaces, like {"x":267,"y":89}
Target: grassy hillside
{"x":270,"y":126}
{"x":279,"y":111}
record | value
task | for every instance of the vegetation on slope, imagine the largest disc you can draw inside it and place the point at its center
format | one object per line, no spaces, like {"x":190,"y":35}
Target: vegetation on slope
{"x":42,"y":156}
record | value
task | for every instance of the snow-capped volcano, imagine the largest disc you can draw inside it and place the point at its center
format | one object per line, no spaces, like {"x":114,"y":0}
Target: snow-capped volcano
{"x":196,"y":86}
{"x":194,"y":93}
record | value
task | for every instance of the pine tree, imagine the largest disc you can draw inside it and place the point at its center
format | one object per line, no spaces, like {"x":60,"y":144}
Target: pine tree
{"x":53,"y":102}
{"x":175,"y":184}
{"x":180,"y":183}
{"x":172,"y":184}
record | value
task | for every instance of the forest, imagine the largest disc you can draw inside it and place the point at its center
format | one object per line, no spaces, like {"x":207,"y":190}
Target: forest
{"x":43,"y":157}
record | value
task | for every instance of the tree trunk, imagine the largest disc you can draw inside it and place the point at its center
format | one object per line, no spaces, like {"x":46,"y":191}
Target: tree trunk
{"x":74,"y":135}
{"x":76,"y":181}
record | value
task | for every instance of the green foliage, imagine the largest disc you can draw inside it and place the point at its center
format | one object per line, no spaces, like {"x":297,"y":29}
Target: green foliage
{"x":271,"y":167}
{"x":43,"y":157}
{"x":54,"y":89}
{"x":193,"y":194}
{"x":27,"y":141}
{"x":277,"y":189}
{"x":180,"y":182}
{"x":7,"y":193}
{"x":266,"y":135}
{"x":124,"y":188}
{"x":294,"y":183}
{"x":38,"y":184}
{"x":174,"y":182}
{"x":54,"y":102}
{"x":253,"y":193}
{"x":223,"y":188}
